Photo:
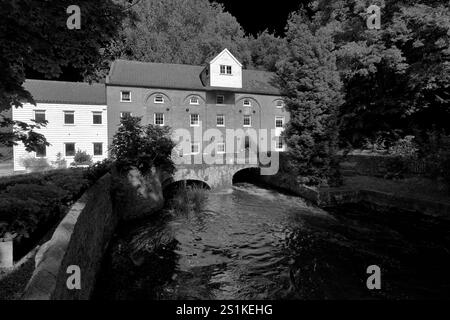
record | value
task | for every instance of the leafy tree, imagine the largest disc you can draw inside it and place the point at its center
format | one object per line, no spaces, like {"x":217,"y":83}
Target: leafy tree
{"x":310,"y":82}
{"x":397,"y":78}
{"x":266,"y":50}
{"x":181,"y":31}
{"x":34,"y":39}
{"x":142,"y":147}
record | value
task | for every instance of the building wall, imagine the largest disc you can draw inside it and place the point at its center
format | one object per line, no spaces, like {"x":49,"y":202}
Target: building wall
{"x":177,"y":108}
{"x":83,"y":132}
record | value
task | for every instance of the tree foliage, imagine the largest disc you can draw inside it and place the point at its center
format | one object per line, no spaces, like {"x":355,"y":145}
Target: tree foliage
{"x":397,"y":78}
{"x":310,"y":82}
{"x":142,"y":147}
{"x":181,"y":31}
{"x":34,"y":39}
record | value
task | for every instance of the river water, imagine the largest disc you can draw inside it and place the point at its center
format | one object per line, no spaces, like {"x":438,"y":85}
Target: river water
{"x":249,"y":242}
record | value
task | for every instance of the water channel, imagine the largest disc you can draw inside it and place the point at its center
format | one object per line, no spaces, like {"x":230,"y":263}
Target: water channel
{"x":250,"y":242}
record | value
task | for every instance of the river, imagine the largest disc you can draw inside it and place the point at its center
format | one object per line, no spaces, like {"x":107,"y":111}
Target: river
{"x":249,"y":242}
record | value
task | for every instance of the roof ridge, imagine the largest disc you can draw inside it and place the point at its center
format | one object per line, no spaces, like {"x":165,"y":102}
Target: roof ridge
{"x":162,"y":63}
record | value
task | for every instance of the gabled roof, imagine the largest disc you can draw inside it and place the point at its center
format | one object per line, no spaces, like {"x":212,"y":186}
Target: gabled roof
{"x":47,"y":91}
{"x":225,"y":51}
{"x":181,"y":76}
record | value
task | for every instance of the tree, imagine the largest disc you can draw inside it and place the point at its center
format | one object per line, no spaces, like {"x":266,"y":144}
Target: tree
{"x":34,"y":38}
{"x":266,"y":50}
{"x":181,"y":31}
{"x":309,"y":80}
{"x":396,"y":79}
{"x":142,"y":147}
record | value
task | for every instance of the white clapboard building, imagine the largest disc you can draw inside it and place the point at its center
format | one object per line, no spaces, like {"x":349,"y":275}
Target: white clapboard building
{"x":77,"y":120}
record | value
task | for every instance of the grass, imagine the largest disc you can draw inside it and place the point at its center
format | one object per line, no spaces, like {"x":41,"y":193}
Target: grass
{"x":190,"y":198}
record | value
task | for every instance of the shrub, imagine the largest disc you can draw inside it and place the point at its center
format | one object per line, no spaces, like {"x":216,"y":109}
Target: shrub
{"x":36,"y":164}
{"x":98,"y":170}
{"x":81,"y":158}
{"x":405,"y":147}
{"x":60,"y":162}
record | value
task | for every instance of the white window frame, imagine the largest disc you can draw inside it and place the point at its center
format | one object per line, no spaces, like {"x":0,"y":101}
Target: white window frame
{"x":121,"y":96}
{"x":277,"y":148}
{"x":198,"y":120}
{"x":41,"y":112}
{"x":45,"y":151}
{"x":250,"y":118}
{"x":64,"y":117}
{"x":122,"y":112}
{"x":97,"y":113}
{"x":221,"y":144}
{"x":158,"y":96}
{"x":163,"y":119}
{"x":93,"y":149}
{"x":248,"y":104}
{"x":282,"y":120}
{"x":217,"y":99}
{"x":224,"y":70}
{"x":281,"y":104}
{"x":217,"y":120}
{"x":194,"y":103}
{"x":198,"y":148}
{"x":74,"y":148}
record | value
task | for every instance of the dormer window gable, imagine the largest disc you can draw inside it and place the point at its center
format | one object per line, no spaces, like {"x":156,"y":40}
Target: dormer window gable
{"x":225,"y":71}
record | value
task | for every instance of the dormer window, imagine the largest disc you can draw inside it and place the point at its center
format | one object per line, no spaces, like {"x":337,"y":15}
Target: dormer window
{"x":193,"y":100}
{"x":247,"y":103}
{"x":125,"y":96}
{"x":159,"y":99}
{"x":225,"y":69}
{"x":220,"y":99}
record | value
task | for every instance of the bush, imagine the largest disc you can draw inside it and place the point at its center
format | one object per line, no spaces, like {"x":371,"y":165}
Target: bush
{"x":36,"y":164}
{"x":98,"y":170}
{"x":81,"y":158}
{"x":31,"y":201}
{"x":60,"y":162}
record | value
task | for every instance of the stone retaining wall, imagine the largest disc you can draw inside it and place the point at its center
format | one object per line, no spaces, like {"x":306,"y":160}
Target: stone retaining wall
{"x":83,"y":236}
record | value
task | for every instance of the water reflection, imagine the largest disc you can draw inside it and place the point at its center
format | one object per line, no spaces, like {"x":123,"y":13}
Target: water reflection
{"x":252,"y":243}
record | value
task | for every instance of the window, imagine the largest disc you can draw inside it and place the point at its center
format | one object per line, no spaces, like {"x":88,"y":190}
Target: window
{"x":225,"y":69}
{"x":195,"y":148}
{"x":193,"y":100}
{"x":280,"y":104}
{"x":98,"y":149}
{"x":247,"y":103}
{"x":41,"y":151}
{"x":220,"y":148}
{"x":279,"y":144}
{"x":159,"y":99}
{"x":247,"y":120}
{"x":125,"y":96}
{"x":124,"y":114}
{"x":70,"y":149}
{"x":39,"y":115}
{"x":69,"y":117}
{"x":159,"y":119}
{"x":220,"y":99}
{"x":220,"y":120}
{"x":279,"y":122}
{"x":96,"y":117}
{"x":195,"y":120}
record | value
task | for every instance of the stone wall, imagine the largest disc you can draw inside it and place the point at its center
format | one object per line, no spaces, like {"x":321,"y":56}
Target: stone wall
{"x":83,"y":236}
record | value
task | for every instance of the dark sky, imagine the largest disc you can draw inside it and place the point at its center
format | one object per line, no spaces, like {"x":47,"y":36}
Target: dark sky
{"x":255,"y":16}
